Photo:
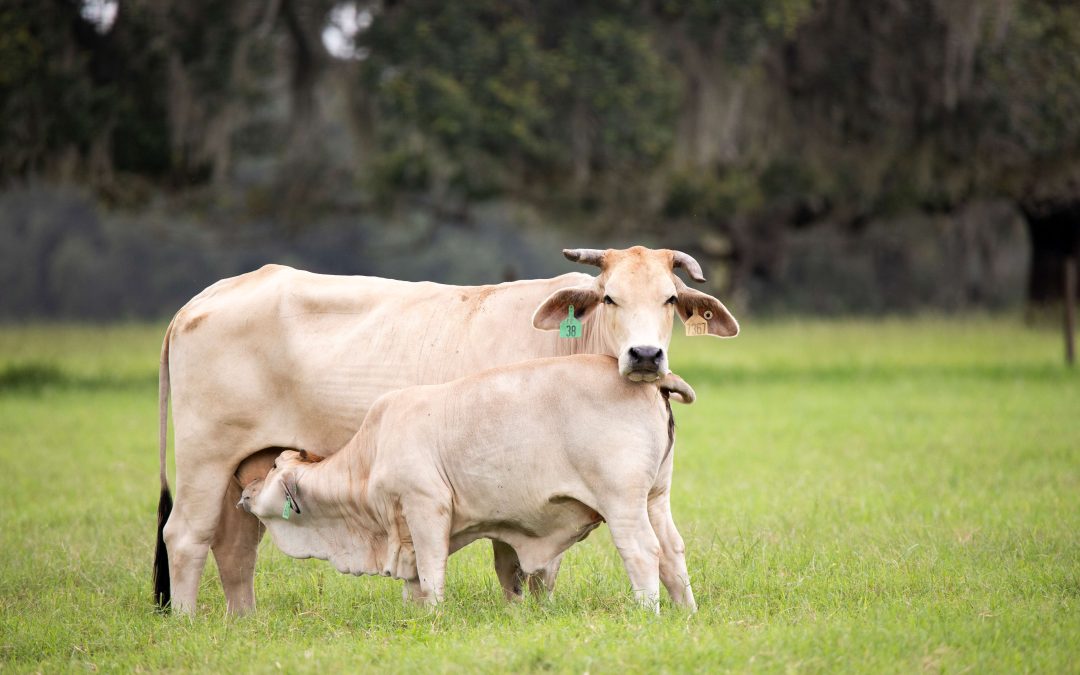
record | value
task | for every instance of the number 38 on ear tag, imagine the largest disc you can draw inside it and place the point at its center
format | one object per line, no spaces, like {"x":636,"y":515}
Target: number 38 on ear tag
{"x":570,"y":327}
{"x":697,"y":324}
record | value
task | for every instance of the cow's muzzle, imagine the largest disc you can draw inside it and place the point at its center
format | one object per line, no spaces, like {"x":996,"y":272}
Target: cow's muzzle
{"x":645,"y":363}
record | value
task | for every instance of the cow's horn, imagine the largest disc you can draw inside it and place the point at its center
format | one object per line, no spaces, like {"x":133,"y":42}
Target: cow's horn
{"x":680,"y":259}
{"x":585,"y":256}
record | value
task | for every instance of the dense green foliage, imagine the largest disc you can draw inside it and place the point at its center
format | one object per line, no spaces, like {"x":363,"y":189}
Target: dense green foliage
{"x":489,"y":97}
{"x":863,"y":107}
{"x":855,"y":497}
{"x":891,"y":131}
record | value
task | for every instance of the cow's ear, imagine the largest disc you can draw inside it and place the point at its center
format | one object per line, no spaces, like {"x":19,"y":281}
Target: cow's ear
{"x":553,"y":310}
{"x":721,"y":322}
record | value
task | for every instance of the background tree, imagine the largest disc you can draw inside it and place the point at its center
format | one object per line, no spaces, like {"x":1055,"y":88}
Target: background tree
{"x":737,"y":128}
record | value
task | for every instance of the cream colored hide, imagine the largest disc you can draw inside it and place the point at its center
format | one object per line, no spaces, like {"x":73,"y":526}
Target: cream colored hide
{"x":281,"y":358}
{"x":534,"y":455}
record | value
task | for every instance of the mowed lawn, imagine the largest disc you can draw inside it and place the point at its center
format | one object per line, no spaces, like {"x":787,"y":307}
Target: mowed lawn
{"x":900,"y":496}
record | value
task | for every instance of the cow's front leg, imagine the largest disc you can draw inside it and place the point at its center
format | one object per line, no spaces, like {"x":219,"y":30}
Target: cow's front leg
{"x":637,"y":544}
{"x":672,"y":553}
{"x":429,"y":527}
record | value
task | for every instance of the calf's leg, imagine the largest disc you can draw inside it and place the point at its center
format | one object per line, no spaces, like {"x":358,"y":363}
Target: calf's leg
{"x":429,"y":528}
{"x":634,"y":538}
{"x":673,"y":571}
{"x":235,"y":547}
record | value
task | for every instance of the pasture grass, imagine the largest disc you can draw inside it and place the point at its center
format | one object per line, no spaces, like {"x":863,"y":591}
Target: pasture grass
{"x":896,"y":496}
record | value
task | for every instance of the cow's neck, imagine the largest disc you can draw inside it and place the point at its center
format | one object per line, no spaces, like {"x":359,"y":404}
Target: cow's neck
{"x":338,"y":484}
{"x":590,"y":342}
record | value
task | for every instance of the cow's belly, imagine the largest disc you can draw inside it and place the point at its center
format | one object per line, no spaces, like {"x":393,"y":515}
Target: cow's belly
{"x":537,"y":535}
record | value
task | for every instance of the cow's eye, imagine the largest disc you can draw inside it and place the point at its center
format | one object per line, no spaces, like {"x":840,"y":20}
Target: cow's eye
{"x":608,"y":300}
{"x":274,"y":466}
{"x":672,"y":300}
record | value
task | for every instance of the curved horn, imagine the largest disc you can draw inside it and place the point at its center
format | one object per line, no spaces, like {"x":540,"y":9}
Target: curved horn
{"x":585,"y":256}
{"x":680,"y":259}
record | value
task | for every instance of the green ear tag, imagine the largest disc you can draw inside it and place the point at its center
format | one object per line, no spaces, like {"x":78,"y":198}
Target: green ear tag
{"x":570,"y":327}
{"x":287,"y":511}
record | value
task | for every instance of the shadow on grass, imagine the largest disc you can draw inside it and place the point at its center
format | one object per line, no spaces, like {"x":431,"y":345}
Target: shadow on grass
{"x":34,"y":377}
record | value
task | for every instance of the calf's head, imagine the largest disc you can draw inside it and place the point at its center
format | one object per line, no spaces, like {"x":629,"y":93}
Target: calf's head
{"x":266,"y":497}
{"x":632,"y":304}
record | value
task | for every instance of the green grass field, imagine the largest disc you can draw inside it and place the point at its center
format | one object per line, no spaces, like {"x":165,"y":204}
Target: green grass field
{"x":875,"y":497}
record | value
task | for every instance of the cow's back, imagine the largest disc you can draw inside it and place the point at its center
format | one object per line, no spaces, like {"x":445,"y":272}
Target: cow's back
{"x":282,"y":357}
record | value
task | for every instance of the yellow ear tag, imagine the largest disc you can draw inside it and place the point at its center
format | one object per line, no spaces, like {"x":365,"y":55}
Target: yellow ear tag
{"x":697,"y":324}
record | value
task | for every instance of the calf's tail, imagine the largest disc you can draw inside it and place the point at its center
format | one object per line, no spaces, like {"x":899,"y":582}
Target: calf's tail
{"x":162,"y":588}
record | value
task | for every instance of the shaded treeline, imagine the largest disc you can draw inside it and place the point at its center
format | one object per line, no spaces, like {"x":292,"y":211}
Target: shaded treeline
{"x":837,"y":155}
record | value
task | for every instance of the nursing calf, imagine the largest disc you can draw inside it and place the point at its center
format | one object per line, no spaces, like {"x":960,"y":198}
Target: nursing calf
{"x":534,"y":455}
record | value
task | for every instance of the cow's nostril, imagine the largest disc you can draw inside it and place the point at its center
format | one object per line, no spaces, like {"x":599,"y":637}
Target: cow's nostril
{"x":646,"y":355}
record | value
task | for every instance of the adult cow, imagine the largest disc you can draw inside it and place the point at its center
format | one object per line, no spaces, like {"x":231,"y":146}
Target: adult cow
{"x":280,"y":358}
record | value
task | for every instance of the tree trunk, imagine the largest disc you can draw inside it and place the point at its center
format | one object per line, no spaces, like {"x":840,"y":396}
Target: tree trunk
{"x":1054,"y":229}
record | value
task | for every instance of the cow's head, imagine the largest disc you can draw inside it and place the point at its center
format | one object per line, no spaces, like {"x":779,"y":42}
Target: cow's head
{"x":632,"y":304}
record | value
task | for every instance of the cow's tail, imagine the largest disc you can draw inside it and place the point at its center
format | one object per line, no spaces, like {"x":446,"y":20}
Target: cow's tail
{"x":162,"y":588}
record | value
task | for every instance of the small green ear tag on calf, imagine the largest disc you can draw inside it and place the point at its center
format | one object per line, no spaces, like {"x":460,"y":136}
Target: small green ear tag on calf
{"x":287,"y":511}
{"x":570,"y":327}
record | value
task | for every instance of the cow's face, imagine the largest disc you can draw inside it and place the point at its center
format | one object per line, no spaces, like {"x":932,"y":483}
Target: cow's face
{"x":629,"y":308}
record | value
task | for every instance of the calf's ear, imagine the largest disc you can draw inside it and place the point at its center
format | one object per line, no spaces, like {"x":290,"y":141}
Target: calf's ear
{"x":553,"y":310}
{"x":288,"y":482}
{"x":721,"y":322}
{"x":677,"y":388}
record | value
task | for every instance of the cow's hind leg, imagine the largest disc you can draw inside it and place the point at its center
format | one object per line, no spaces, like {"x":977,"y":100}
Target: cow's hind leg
{"x":508,"y":569}
{"x":542,"y":584}
{"x":200,"y":491}
{"x":235,"y":547}
{"x":412,"y":592}
{"x":512,"y":577}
